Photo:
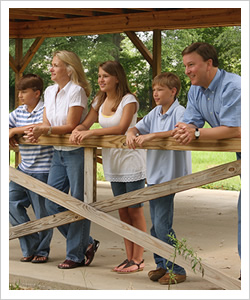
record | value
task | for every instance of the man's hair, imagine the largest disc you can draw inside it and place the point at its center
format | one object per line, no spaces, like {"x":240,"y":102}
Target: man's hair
{"x":168,"y":79}
{"x":30,"y":81}
{"x":205,"y":50}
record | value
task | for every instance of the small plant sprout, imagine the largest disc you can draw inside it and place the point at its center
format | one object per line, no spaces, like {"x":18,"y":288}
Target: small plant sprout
{"x":180,"y":247}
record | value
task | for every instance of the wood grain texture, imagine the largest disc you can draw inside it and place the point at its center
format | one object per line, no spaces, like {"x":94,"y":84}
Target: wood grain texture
{"x":143,"y":239}
{"x":139,"y":196}
{"x":119,"y":141}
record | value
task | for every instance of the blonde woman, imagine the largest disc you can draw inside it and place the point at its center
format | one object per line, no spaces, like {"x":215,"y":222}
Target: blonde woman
{"x":65,"y":108}
{"x":115,"y":107}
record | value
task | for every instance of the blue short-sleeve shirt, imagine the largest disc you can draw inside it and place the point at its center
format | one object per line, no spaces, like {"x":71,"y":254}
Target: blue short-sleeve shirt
{"x":164,"y":165}
{"x":219,"y":104}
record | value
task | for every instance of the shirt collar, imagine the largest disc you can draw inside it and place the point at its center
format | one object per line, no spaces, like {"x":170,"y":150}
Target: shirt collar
{"x":170,"y":110}
{"x":38,"y":106}
{"x":213,"y":84}
{"x":66,"y":87}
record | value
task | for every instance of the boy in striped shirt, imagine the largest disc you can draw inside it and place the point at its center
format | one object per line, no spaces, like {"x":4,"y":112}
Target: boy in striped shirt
{"x":35,"y":161}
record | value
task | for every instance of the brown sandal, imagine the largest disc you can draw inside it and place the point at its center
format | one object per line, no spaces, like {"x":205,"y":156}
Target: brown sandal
{"x":129,"y":264}
{"x":70,"y":264}
{"x":38,"y":259}
{"x":123,"y":263}
{"x":27,"y":259}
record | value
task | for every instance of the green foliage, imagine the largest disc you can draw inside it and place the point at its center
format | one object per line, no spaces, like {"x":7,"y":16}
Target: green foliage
{"x":98,"y":48}
{"x":181,"y":248}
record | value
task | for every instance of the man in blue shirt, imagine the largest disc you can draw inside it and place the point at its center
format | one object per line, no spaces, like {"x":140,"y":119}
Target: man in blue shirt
{"x":214,"y":97}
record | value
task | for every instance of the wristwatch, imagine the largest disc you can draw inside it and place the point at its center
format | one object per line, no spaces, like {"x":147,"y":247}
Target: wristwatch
{"x":197,"y":133}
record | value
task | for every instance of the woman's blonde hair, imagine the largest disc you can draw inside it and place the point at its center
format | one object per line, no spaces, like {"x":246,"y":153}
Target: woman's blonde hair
{"x":75,"y":68}
{"x":114,"y":68}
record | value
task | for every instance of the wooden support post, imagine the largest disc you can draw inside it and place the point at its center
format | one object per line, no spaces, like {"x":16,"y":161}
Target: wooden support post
{"x":89,"y":175}
{"x":156,"y":52}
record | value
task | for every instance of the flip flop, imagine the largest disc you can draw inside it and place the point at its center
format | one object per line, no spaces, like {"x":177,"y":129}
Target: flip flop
{"x":123,"y":263}
{"x":129,"y":264}
{"x":27,"y":259}
{"x":70,"y":264}
{"x":37,"y":260}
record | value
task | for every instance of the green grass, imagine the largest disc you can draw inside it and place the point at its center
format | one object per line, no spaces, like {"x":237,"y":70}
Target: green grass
{"x":202,"y":160}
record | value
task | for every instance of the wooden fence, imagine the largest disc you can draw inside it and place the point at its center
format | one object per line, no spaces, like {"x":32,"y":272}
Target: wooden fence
{"x":97,"y":211}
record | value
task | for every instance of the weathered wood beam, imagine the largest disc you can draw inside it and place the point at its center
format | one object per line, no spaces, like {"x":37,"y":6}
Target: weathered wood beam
{"x":162,"y":20}
{"x":123,"y":229}
{"x":31,"y":52}
{"x":140,"y":46}
{"x":89,"y":175}
{"x":119,"y":141}
{"x":156,"y":52}
{"x":139,"y":196}
{"x":13,"y":63}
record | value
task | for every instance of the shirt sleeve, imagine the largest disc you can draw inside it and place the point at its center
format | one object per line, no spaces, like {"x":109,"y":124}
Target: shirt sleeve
{"x":230,"y":112}
{"x":129,"y":98}
{"x":144,"y":124}
{"x":78,"y":98}
{"x":12,"y":119}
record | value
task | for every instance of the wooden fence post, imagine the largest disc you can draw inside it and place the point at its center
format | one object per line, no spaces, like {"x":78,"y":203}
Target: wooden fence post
{"x":89,"y":175}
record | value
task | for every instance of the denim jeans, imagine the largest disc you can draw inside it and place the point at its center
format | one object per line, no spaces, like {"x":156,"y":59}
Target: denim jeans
{"x":120,"y":188}
{"x":20,"y":199}
{"x":161,"y":211}
{"x":67,"y":173}
{"x":238,"y":154}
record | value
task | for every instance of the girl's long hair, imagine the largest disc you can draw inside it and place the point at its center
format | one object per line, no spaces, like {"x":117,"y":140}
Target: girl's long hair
{"x":114,"y":68}
{"x":75,"y":68}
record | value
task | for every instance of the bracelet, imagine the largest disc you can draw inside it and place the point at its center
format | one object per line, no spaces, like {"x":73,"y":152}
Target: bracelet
{"x":137,"y":134}
{"x":49,"y":131}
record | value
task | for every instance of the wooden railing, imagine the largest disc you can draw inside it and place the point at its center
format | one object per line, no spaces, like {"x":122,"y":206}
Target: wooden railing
{"x":97,"y":211}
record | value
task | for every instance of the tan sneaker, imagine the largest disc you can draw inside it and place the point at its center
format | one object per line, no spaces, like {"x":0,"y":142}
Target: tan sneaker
{"x":156,"y":274}
{"x":177,"y":279}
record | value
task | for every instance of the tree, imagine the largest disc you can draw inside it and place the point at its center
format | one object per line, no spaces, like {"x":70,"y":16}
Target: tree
{"x":96,"y":49}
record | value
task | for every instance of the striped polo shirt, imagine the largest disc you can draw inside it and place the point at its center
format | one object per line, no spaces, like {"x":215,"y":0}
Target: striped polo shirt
{"x":34,"y":159}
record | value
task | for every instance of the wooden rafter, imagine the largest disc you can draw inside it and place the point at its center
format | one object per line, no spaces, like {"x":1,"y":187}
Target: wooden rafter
{"x":140,"y":46}
{"x":116,"y":23}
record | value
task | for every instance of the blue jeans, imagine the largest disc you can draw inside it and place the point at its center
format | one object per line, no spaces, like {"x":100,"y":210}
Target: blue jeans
{"x":238,"y":154}
{"x":20,"y":199}
{"x":120,"y":188}
{"x":161,"y":211}
{"x":67,"y":173}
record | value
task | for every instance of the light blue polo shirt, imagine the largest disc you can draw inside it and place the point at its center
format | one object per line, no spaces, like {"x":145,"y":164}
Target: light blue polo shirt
{"x":164,"y":165}
{"x":219,"y":104}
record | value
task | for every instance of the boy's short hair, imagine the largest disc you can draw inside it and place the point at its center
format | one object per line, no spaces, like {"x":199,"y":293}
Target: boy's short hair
{"x":168,"y":79}
{"x":30,"y":81}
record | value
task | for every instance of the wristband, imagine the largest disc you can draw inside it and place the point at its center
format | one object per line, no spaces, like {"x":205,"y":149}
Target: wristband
{"x":49,"y":131}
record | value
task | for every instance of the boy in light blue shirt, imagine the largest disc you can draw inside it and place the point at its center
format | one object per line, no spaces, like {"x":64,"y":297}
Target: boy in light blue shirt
{"x":162,"y":165}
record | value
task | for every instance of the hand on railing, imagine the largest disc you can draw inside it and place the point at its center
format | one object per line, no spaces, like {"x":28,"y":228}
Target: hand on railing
{"x":34,"y":132}
{"x":183,"y":134}
{"x":77,"y":136}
